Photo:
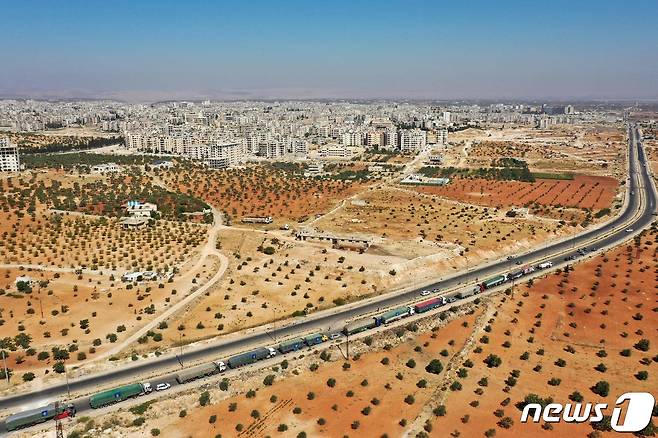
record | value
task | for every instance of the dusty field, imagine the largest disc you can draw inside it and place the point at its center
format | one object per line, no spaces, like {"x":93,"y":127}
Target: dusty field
{"x":583,"y":192}
{"x":259,"y":288}
{"x":65,"y":138}
{"x":82,"y":314}
{"x":595,"y":150}
{"x":261,"y":190}
{"x":558,"y":329}
{"x":410,"y":225}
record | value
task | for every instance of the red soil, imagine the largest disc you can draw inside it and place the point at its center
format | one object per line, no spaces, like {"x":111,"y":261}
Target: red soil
{"x":594,"y":192}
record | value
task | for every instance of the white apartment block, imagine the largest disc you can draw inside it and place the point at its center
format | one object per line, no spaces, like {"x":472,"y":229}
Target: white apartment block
{"x":352,"y":138}
{"x":375,"y":138}
{"x":412,"y":140}
{"x":441,"y":136}
{"x":272,"y":149}
{"x":299,"y":147}
{"x":391,"y":139}
{"x":9,"y":159}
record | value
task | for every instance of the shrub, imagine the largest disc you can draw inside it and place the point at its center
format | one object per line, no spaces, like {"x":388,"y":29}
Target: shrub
{"x":434,"y":366}
{"x":493,"y":361}
{"x":439,"y":411}
{"x":204,"y":398}
{"x":601,"y":388}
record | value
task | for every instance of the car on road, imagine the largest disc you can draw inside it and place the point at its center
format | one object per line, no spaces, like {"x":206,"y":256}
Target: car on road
{"x":510,"y":258}
{"x":425,"y":293}
{"x":162,"y":386}
{"x":629,"y":230}
{"x":451,"y":299}
{"x":334,"y":336}
{"x":519,"y":262}
{"x":571,"y":257}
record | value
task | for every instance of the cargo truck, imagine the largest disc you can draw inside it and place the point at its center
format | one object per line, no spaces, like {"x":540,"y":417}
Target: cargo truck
{"x":468,"y":292}
{"x":394,"y":315}
{"x":515,"y":275}
{"x":200,"y":371}
{"x":119,"y":394}
{"x":428,"y":305}
{"x":39,"y":415}
{"x":291,"y":345}
{"x":315,"y":339}
{"x":495,"y":281}
{"x":359,"y":326}
{"x":251,"y":357}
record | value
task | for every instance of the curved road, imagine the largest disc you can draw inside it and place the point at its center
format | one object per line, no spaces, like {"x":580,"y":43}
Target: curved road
{"x":637,"y":215}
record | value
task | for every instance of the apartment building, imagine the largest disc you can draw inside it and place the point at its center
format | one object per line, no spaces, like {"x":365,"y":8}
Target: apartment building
{"x":412,"y":140}
{"x":9,"y":159}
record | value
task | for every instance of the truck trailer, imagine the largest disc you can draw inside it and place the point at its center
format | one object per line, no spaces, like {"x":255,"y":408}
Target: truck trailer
{"x":119,"y":394}
{"x":359,"y":326}
{"x":495,"y":281}
{"x":428,"y":305}
{"x":251,"y":357}
{"x":39,"y":415}
{"x":314,"y":339}
{"x":395,"y":314}
{"x":469,"y":292}
{"x":291,"y":345}
{"x":197,"y":372}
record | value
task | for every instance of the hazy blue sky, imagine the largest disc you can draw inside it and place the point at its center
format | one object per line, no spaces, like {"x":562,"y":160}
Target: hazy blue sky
{"x":306,"y":49}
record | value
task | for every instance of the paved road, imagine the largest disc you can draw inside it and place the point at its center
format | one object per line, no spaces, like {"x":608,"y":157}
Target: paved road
{"x":638,"y":214}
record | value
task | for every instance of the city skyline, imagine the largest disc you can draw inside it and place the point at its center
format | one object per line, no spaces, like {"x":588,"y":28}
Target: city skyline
{"x":352,"y":50}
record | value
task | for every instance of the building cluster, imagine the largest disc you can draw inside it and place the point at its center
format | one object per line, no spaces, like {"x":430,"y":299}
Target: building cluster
{"x":228,"y":133}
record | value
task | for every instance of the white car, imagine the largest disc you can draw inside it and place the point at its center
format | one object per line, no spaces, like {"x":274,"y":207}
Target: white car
{"x":630,"y":230}
{"x":425,"y":293}
{"x":334,"y":336}
{"x":162,"y":386}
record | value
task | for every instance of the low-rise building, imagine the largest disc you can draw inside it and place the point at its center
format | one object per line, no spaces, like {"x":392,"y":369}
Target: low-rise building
{"x":139,"y":209}
{"x":106,"y":168}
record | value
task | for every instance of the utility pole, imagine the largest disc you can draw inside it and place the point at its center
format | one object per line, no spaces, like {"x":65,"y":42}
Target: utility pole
{"x":4,"y":361}
{"x":180,"y":343}
{"x":59,"y":430}
{"x":66,"y":375}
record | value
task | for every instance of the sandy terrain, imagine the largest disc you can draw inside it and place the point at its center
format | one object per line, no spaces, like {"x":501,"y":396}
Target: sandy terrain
{"x":560,"y":327}
{"x":595,"y":150}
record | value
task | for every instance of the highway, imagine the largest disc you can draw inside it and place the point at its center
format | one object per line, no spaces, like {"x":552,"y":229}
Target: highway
{"x":637,"y":215}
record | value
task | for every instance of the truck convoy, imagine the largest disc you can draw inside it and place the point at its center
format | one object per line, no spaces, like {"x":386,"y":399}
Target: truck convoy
{"x":39,"y":415}
{"x":116,"y":395}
